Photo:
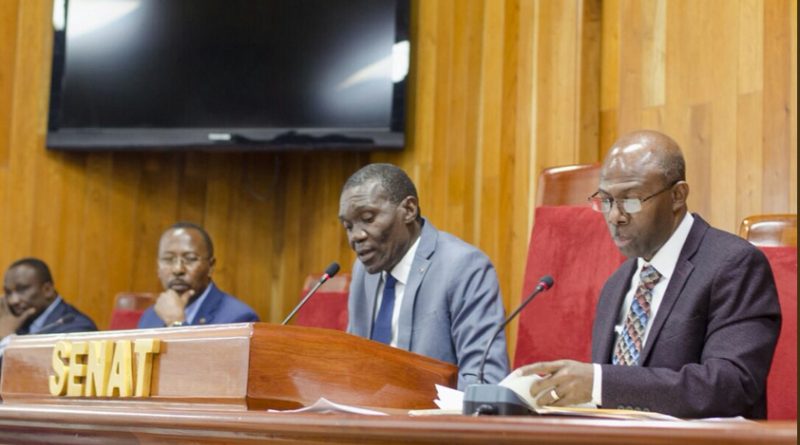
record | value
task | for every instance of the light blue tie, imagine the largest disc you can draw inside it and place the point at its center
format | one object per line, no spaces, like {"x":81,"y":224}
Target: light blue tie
{"x":382,"y":330}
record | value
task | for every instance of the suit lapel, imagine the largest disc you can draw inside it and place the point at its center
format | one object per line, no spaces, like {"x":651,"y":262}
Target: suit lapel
{"x":419,"y":268}
{"x":608,"y":313}
{"x":683,"y":270}
{"x":205,"y":314}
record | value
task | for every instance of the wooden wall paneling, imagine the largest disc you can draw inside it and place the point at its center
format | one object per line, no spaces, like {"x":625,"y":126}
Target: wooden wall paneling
{"x":589,"y":30}
{"x":423,"y":96}
{"x":126,"y":175}
{"x":241,"y":232}
{"x":749,"y":154}
{"x":793,"y":111}
{"x":156,"y":209}
{"x":67,"y":267}
{"x":777,"y":72}
{"x":609,"y":74}
{"x":434,"y":181}
{"x":506,"y":152}
{"x":471,"y":129}
{"x":223,"y":178}
{"x":631,"y":87}
{"x":263,"y":187}
{"x":521,"y":200}
{"x":9,"y":13}
{"x":454,"y":148}
{"x":750,"y":109}
{"x":193,"y":191}
{"x":23,"y":137}
{"x":95,"y":261}
{"x":288,"y":247}
{"x":488,"y":161}
{"x":724,"y":74}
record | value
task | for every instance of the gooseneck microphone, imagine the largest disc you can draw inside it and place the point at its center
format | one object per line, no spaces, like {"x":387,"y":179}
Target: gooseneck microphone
{"x":546,"y":282}
{"x":61,"y":321}
{"x":481,"y":398}
{"x":332,"y":270}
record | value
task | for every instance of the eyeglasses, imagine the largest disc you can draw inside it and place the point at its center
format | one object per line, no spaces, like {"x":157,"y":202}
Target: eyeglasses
{"x":626,"y":205}
{"x":187,"y":260}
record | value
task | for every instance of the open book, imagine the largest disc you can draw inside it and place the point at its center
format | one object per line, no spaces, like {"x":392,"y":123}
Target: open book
{"x":451,"y":401}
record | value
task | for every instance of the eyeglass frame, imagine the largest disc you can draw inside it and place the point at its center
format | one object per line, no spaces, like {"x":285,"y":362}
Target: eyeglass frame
{"x":619,"y":202}
{"x":182,"y":260}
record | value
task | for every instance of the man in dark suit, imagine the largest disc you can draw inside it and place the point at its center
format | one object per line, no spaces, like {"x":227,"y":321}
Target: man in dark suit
{"x":688,"y":325}
{"x":185,"y":264}
{"x":31,"y":304}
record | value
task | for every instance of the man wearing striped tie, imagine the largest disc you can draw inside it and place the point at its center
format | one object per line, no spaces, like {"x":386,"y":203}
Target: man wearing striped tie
{"x":688,"y":325}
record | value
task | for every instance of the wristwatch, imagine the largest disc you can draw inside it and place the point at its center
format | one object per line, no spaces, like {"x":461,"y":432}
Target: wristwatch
{"x":176,"y":323}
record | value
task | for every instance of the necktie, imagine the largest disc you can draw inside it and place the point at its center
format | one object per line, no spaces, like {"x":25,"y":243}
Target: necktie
{"x":382,"y":330}
{"x":630,"y":342}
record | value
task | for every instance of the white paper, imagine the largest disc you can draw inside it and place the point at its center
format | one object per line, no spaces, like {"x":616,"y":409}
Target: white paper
{"x":449,"y":399}
{"x":326,"y":406}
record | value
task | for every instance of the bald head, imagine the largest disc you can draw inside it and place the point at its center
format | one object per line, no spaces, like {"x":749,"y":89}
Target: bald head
{"x":645,"y":167}
{"x":648,"y":149}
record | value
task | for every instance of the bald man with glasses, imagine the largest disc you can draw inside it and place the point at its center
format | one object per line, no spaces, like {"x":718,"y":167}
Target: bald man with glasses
{"x":185,"y":264}
{"x":688,"y":325}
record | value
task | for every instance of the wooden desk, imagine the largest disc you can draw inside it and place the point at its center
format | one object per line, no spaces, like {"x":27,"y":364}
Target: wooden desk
{"x":74,"y":425}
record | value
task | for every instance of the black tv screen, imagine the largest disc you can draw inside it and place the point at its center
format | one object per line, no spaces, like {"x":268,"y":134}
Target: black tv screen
{"x":229,"y":74}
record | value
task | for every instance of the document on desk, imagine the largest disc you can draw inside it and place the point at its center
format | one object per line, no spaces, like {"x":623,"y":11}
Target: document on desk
{"x":451,"y":401}
{"x":326,"y":406}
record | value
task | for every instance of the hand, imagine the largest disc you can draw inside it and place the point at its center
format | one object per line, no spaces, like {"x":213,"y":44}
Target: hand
{"x":170,"y":306}
{"x":10,"y":323}
{"x":571,"y":380}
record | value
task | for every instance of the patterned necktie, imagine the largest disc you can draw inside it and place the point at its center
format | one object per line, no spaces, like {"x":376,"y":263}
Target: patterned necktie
{"x":630,"y":342}
{"x":382,"y":330}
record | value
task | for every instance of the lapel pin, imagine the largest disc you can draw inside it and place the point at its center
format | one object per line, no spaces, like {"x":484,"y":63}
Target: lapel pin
{"x":422,"y":270}
{"x":203,"y":320}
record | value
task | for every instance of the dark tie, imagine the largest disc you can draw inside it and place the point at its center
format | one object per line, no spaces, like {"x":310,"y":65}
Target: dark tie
{"x":382,"y":331}
{"x":630,"y":342}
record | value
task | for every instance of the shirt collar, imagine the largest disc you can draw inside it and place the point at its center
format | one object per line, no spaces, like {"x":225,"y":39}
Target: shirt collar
{"x":194,"y":307}
{"x":666,"y":258}
{"x":39,"y":323}
{"x":402,"y":269}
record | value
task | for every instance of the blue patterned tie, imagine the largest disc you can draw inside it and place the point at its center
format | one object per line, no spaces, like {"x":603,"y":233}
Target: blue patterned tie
{"x":629,"y":346}
{"x":382,"y":330}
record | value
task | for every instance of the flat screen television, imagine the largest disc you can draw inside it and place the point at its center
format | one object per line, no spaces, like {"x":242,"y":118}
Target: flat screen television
{"x":229,"y":74}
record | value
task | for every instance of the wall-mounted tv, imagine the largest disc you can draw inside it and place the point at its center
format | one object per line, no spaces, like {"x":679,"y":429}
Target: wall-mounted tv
{"x":229,"y":74}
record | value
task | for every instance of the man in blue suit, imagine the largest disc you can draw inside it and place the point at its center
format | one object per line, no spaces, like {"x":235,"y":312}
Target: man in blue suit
{"x":31,"y":304}
{"x":185,"y":264}
{"x":414,"y":287}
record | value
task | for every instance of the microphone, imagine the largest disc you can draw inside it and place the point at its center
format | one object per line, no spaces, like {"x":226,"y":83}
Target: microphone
{"x":61,"y":321}
{"x":330,"y":272}
{"x":481,"y":398}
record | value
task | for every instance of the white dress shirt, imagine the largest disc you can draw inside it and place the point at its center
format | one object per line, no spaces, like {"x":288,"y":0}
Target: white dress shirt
{"x":664,"y":261}
{"x":400,"y":272}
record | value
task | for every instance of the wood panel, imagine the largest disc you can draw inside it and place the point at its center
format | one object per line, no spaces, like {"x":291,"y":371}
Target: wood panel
{"x":499,"y":90}
{"x":720,"y":76}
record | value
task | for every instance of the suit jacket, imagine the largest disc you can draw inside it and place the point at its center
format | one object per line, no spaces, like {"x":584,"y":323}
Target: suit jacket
{"x":712,"y":340}
{"x":79,"y":323}
{"x":218,"y":308}
{"x":451,"y":306}
{"x":52,"y":325}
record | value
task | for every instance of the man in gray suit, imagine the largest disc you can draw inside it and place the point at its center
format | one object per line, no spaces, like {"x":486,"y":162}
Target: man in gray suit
{"x":414,"y":287}
{"x":688,"y":325}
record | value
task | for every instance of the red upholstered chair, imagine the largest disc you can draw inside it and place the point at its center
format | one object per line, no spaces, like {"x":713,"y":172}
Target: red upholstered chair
{"x":128,"y":308}
{"x":782,"y":380}
{"x":328,"y":307}
{"x":572,"y":245}
{"x":569,"y":185}
{"x":770,"y":230}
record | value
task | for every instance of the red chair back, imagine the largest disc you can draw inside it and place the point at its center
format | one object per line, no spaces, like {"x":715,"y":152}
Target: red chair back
{"x":782,"y":380}
{"x":328,"y":307}
{"x":572,"y":245}
{"x":128,"y":309}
